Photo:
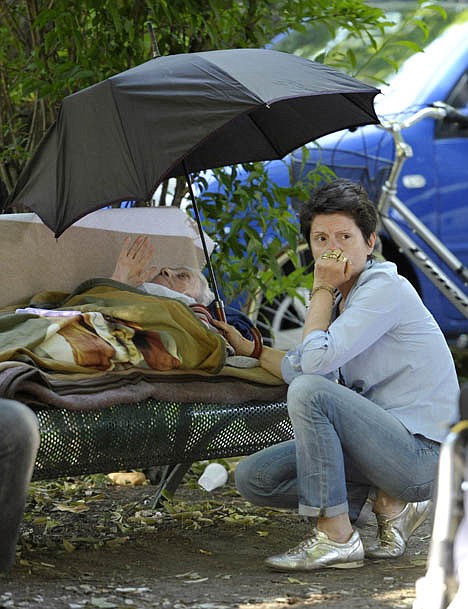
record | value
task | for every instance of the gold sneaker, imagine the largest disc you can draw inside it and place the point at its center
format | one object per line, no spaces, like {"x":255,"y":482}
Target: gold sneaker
{"x":319,"y":552}
{"x":393,"y":533}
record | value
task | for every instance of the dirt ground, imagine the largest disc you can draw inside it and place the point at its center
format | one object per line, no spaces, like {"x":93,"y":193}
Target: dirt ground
{"x":86,"y":543}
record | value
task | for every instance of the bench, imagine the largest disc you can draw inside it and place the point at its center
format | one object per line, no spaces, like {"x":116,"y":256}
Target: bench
{"x":154,"y":433}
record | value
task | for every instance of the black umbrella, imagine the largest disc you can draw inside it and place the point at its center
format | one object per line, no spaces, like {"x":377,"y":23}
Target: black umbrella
{"x":119,"y":139}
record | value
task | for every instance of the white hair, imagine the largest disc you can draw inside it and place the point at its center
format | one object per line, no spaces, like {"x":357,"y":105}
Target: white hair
{"x":205,"y":296}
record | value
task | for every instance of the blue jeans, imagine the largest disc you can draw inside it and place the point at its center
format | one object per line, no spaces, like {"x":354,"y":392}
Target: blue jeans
{"x":19,"y":441}
{"x":345,"y":448}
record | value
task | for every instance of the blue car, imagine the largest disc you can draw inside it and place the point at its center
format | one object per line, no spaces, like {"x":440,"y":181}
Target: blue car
{"x":432,"y":185}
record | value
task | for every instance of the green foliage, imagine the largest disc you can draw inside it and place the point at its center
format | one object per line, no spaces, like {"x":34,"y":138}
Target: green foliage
{"x":374,"y":53}
{"x":49,"y":50}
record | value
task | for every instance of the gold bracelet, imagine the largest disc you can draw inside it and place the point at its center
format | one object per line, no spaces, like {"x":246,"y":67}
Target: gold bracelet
{"x":328,"y":288}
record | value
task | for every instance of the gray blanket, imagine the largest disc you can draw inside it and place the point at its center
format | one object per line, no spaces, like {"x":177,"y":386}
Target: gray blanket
{"x":29,"y":385}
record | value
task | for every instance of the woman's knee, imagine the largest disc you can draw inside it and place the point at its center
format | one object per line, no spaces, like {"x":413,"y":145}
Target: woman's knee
{"x":304,"y":392}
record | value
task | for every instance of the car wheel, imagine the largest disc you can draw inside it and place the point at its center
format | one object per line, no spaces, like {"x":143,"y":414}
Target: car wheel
{"x":281,"y":321}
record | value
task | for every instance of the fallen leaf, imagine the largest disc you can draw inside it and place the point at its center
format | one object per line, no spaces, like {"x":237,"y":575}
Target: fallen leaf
{"x":192,"y":574}
{"x":69,"y":547}
{"x":293,"y":580}
{"x":117,"y":541}
{"x":75,"y":508}
{"x":131,"y":589}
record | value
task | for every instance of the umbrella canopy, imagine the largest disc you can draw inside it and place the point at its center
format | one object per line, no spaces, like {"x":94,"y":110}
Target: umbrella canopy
{"x":119,"y":139}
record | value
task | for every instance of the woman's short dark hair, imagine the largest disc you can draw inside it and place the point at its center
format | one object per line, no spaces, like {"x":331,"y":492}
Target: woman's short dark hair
{"x":340,"y":196}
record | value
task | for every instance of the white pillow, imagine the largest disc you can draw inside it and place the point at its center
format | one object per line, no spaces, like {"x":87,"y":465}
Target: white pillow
{"x":160,"y":290}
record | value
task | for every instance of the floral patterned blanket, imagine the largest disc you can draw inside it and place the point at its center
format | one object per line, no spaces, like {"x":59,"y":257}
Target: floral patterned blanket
{"x":106,"y":326}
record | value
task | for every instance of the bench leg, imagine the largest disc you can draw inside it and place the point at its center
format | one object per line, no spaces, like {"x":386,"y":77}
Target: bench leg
{"x":171,"y":477}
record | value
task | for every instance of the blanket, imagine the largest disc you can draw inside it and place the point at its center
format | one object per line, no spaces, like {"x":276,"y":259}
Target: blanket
{"x":24,"y":382}
{"x":107,"y":343}
{"x":107,"y":326}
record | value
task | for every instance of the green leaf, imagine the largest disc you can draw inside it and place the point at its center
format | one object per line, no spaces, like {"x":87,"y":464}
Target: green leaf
{"x":69,"y":547}
{"x":416,"y":48}
{"x":351,"y":57}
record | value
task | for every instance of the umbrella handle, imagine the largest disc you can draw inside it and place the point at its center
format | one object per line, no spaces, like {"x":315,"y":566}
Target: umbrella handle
{"x":219,"y":308}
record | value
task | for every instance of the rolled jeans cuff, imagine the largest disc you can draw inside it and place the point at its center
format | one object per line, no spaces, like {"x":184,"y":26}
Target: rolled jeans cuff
{"x":327,"y":512}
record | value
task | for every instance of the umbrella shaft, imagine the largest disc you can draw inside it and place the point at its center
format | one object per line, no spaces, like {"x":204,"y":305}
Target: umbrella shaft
{"x":219,"y":303}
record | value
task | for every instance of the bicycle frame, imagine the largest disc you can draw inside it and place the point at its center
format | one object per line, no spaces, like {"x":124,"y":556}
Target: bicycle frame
{"x":389,"y":199}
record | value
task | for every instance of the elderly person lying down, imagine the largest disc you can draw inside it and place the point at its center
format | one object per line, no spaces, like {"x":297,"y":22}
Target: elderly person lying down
{"x":182,"y":283}
{"x":101,"y":327}
{"x":186,"y":284}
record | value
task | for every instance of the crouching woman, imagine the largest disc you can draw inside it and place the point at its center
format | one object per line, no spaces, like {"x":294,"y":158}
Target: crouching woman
{"x":373,"y":390}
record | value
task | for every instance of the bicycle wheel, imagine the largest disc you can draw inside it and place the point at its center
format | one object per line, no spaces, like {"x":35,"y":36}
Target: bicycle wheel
{"x":281,"y":321}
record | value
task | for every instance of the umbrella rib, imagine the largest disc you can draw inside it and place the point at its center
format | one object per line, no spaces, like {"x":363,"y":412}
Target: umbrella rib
{"x":268,"y":139}
{"x":361,"y":106}
{"x":124,"y":137}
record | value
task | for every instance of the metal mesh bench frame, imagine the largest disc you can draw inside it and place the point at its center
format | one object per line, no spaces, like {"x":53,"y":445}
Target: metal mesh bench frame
{"x":154,"y":433}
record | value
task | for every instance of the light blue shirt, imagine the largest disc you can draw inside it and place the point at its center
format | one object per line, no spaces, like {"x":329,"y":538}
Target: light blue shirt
{"x":388,"y":348}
